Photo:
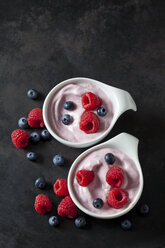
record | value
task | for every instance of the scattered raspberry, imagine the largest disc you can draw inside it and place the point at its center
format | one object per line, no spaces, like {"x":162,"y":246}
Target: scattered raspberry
{"x":89,"y":122}
{"x":42,"y":204}
{"x":115,"y":177}
{"x":117,"y":198}
{"x":60,"y":187}
{"x":20,"y":138}
{"x":67,"y":208}
{"x":35,"y":118}
{"x":90,"y":101}
{"x":84,"y":177}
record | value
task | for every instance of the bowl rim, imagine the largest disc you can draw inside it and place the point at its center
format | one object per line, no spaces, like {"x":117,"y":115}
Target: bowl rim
{"x":80,"y":157}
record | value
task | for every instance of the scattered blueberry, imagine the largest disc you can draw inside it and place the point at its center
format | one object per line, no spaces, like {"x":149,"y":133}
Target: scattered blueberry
{"x":98,"y":203}
{"x":54,"y":221}
{"x":32,"y":156}
{"x":58,"y":160}
{"x":101,"y":111}
{"x":66,"y":119}
{"x":144,"y":209}
{"x":23,"y":123}
{"x":35,"y":137}
{"x":69,"y":105}
{"x":45,"y":135}
{"x":80,"y":222}
{"x":32,"y":94}
{"x":40,"y":183}
{"x":126,"y":225}
{"x":109,"y":158}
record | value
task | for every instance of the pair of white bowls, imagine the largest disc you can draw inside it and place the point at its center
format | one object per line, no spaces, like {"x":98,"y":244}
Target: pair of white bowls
{"x":122,"y":101}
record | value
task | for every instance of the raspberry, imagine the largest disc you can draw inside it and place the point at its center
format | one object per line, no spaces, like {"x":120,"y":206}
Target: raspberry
{"x":115,"y":177}
{"x":35,"y":118}
{"x":42,"y":204}
{"x":89,"y":122}
{"x":20,"y":138}
{"x":117,"y":198}
{"x":60,"y":187}
{"x":84,"y":177}
{"x":67,"y":208}
{"x":90,"y":101}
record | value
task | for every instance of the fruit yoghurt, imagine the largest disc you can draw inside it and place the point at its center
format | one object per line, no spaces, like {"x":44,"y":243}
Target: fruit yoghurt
{"x":73,"y":92}
{"x":99,"y":188}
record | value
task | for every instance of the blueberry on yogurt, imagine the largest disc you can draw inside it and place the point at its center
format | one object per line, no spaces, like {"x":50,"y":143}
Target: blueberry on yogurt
{"x":69,"y":105}
{"x":66,"y":119}
{"x":98,"y":203}
{"x":109,"y":158}
{"x":101,"y":111}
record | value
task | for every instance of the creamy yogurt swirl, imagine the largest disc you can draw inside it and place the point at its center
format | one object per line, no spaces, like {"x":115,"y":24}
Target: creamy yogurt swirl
{"x":99,"y":188}
{"x":73,"y":92}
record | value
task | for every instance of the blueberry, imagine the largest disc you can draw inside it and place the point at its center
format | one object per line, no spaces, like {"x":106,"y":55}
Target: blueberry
{"x":54,"y":221}
{"x":98,"y":203}
{"x":35,"y":137}
{"x":66,"y":119}
{"x":32,"y":156}
{"x":144,"y":209}
{"x":126,"y":225}
{"x":109,"y":158}
{"x":32,"y":94}
{"x":45,"y":135}
{"x":101,"y":111}
{"x":40,"y":183}
{"x":58,"y":160}
{"x":23,"y":123}
{"x":69,"y":105}
{"x":80,"y":222}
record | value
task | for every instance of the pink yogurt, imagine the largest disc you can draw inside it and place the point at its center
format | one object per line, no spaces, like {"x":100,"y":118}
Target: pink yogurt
{"x":73,"y":92}
{"x":99,"y":188}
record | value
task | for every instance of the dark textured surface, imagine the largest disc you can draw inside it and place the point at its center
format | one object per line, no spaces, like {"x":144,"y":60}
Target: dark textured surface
{"x":44,"y":42}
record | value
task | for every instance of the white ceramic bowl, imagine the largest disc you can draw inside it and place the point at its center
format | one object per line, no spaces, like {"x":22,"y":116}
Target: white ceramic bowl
{"x":121,"y":101}
{"x":127,"y":144}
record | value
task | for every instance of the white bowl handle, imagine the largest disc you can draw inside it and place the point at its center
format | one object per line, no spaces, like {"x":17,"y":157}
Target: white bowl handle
{"x":126,"y":143}
{"x":125,"y":100}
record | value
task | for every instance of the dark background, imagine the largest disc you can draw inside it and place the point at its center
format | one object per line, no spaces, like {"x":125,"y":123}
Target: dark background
{"x":118,"y":42}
